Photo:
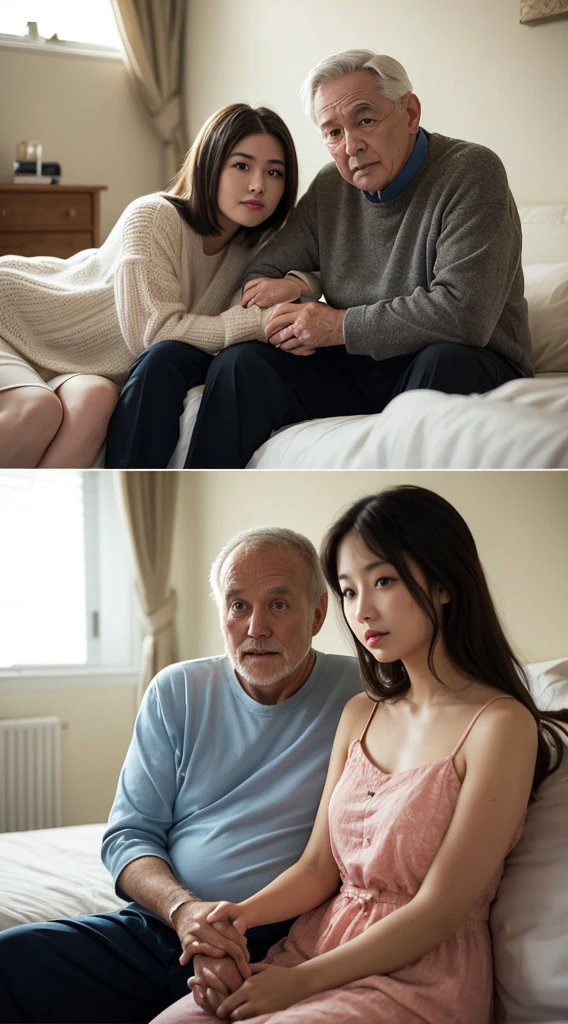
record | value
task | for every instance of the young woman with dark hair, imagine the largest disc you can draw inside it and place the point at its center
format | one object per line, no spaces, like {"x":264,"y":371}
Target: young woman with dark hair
{"x":429,"y":781}
{"x":71,"y":329}
{"x":238,"y":183}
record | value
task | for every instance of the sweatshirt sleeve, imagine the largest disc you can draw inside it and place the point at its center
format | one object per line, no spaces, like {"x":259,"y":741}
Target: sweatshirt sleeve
{"x":477,"y":256}
{"x":142,"y":813}
{"x":294,"y":248}
{"x":147,"y":291}
{"x":311,"y":282}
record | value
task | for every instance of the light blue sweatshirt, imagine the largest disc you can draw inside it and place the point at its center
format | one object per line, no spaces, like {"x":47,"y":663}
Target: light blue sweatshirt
{"x":224,"y":789}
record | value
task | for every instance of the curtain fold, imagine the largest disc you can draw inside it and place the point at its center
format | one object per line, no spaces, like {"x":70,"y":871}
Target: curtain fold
{"x":149,"y":501}
{"x":152,"y":33}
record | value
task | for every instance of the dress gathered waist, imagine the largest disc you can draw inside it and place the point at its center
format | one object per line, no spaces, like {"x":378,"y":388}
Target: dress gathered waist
{"x":367,"y":897}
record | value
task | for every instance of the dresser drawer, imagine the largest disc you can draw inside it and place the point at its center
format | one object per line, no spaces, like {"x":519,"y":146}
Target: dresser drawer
{"x":44,"y":243}
{"x":46,"y":210}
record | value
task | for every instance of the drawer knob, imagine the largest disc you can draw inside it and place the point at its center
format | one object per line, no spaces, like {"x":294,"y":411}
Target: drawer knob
{"x":71,"y":212}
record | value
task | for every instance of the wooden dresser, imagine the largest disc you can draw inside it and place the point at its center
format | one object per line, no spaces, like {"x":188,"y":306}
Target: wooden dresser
{"x":49,"y":220}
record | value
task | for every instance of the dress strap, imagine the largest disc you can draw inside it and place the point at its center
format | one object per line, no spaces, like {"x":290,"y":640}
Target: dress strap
{"x":474,"y":720}
{"x":368,"y":722}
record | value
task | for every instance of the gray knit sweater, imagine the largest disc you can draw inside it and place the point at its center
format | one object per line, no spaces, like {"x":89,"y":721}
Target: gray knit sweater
{"x":439,"y":262}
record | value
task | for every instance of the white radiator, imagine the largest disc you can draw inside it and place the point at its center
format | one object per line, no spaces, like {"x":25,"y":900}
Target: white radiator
{"x":30,"y":773}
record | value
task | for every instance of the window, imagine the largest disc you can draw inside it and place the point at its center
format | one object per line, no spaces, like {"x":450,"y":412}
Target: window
{"x":66,"y":586}
{"x":61,"y":25}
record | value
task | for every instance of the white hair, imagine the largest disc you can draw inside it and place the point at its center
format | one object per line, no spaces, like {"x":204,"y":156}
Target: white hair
{"x":278,"y":537}
{"x":392,"y":79}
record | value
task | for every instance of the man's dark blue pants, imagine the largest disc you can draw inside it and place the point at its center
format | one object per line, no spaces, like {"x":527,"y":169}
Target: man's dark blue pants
{"x":103,"y":969}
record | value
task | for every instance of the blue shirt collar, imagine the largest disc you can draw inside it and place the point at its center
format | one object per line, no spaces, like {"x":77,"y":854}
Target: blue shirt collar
{"x":405,"y":176}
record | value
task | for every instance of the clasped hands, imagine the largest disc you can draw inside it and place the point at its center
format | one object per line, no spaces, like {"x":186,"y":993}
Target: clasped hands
{"x":292,"y":328}
{"x":225,"y":983}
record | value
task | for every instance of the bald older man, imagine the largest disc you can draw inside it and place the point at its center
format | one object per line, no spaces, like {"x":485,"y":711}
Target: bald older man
{"x":217,"y":796}
{"x":418,"y":243}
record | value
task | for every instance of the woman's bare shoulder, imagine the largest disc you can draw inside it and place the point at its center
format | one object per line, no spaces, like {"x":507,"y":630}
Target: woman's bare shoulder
{"x":357,"y":711}
{"x":505,"y":721}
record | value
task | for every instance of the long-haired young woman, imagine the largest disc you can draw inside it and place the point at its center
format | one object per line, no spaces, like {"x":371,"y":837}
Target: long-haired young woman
{"x":428,"y":785}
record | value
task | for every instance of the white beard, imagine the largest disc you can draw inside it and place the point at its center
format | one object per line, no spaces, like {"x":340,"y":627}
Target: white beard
{"x":280,"y":671}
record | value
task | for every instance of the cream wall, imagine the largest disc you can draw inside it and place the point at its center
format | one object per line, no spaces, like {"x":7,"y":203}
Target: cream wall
{"x":480,"y":75}
{"x":86,"y":115}
{"x":98,"y":722}
{"x":517,"y":518}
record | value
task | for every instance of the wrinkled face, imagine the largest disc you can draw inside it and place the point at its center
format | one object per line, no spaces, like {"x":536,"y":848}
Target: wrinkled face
{"x":267,"y":617}
{"x":379,"y":608}
{"x":369,"y":138}
{"x":251,"y":182}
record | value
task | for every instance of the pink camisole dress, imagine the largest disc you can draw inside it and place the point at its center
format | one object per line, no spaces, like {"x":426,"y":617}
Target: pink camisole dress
{"x":385,"y":832}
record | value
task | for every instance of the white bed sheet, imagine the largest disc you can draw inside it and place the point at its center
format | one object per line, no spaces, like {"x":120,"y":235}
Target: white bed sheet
{"x":52,"y":873}
{"x":521,"y":425}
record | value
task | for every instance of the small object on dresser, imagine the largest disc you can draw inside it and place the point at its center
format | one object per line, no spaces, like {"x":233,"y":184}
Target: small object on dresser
{"x":35,"y":179}
{"x":25,"y":173}
{"x":34,"y":151}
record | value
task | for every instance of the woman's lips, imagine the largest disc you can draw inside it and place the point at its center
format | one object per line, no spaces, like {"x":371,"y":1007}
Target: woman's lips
{"x":252,"y":205}
{"x":373,"y":639}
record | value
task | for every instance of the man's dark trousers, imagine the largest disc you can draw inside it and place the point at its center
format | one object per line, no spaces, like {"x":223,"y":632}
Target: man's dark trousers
{"x":254,"y":388}
{"x":114,"y":968}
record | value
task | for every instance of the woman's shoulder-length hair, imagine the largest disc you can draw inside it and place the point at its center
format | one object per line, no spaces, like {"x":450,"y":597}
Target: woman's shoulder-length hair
{"x":195,"y":188}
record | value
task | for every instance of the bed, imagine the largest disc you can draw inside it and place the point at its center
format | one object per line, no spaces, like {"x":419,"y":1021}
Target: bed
{"x":52,"y":873}
{"x":520,"y":425}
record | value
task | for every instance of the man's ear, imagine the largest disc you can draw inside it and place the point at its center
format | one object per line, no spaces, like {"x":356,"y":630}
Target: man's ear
{"x":413,"y":111}
{"x":320,"y":612}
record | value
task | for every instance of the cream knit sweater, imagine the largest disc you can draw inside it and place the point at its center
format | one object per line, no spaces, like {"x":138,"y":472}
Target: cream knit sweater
{"x":150,"y":281}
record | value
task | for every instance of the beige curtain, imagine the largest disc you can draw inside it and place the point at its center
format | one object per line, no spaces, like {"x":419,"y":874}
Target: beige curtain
{"x":149,"y":503}
{"x":152,"y":33}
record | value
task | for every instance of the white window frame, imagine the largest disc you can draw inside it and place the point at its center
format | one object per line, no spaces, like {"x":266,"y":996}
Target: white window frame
{"x":60,"y":46}
{"x":110,"y":586}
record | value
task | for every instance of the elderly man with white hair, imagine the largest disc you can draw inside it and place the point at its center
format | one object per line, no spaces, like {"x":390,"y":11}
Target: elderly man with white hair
{"x":217,"y":796}
{"x":418,"y":243}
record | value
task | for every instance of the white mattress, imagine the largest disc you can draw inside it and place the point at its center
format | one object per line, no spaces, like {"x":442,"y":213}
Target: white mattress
{"x":52,"y":873}
{"x":521,"y":425}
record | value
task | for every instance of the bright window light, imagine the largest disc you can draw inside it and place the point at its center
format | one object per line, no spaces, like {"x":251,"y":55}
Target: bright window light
{"x":73,"y":20}
{"x":66,"y":588}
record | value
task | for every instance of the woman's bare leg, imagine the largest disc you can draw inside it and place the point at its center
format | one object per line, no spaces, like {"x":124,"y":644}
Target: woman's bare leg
{"x":88,"y":403}
{"x":30,"y":418}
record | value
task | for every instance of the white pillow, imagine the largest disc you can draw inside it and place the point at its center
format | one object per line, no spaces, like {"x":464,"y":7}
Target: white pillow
{"x":546,"y":292}
{"x":529,"y":919}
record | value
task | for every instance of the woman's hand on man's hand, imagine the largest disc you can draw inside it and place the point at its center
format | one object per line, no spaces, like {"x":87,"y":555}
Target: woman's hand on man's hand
{"x":268,"y":291}
{"x":268,"y":990}
{"x":197,"y":933}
